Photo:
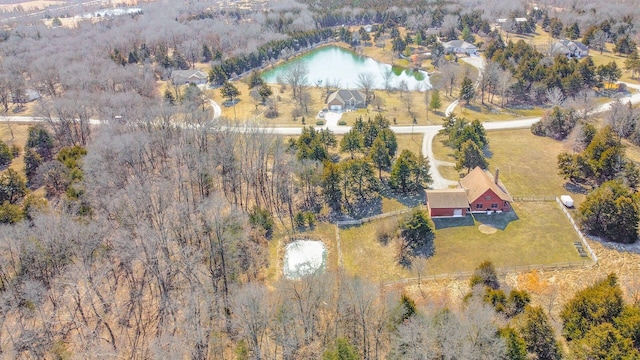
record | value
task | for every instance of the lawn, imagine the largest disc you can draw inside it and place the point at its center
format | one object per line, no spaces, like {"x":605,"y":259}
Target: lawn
{"x":20,"y":134}
{"x":541,"y":235}
{"x":527,"y":162}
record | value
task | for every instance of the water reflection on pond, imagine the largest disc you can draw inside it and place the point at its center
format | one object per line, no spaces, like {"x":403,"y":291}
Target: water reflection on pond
{"x":333,"y":63}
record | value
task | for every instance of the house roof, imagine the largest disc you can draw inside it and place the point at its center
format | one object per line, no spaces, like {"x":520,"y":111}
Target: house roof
{"x":459,"y":44}
{"x":447,"y":199}
{"x":345,"y":96}
{"x":478,"y":181}
{"x":567,"y":46}
{"x":187,"y":74}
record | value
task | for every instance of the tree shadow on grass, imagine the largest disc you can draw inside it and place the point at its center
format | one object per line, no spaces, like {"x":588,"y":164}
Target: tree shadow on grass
{"x":575,"y":188}
{"x":497,"y":220}
{"x":365,"y":209}
{"x":409,"y":199}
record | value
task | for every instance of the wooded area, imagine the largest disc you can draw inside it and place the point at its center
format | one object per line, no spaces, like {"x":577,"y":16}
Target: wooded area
{"x":141,"y":222}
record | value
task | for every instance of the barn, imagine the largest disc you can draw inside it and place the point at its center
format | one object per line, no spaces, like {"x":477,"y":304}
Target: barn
{"x":447,"y":202}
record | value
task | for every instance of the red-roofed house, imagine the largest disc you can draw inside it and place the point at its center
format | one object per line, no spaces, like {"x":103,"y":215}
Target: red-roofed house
{"x":486,"y":192}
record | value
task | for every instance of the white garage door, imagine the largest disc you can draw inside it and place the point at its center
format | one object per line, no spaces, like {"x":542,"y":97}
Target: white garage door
{"x":336,"y":107}
{"x":457,"y":212}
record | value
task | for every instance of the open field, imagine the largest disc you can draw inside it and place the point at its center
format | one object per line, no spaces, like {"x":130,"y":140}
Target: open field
{"x":29,"y":5}
{"x":20,"y":134}
{"x":541,"y":235}
{"x":527,"y":162}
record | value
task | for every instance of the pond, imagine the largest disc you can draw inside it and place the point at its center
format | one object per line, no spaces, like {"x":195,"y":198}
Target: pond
{"x":304,"y":257}
{"x":331,"y":64}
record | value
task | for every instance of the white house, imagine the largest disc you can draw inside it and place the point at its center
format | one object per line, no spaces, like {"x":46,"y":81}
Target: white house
{"x":569,"y":48}
{"x":459,"y":47}
{"x":179,"y":77}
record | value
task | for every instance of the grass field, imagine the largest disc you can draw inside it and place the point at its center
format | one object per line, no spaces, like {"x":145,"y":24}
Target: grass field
{"x":527,"y":162}
{"x":20,"y":133}
{"x":540,"y":235}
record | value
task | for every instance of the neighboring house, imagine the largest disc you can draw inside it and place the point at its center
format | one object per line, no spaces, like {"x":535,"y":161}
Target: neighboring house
{"x":447,"y":202}
{"x":459,"y":47}
{"x":345,"y":99}
{"x":180,"y":77}
{"x":485,"y":192}
{"x":569,"y":48}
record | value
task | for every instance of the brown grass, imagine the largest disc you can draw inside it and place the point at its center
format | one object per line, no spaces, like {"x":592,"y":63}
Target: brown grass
{"x":20,"y":132}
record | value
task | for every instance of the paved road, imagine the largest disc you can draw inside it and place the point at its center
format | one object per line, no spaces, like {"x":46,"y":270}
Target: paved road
{"x":430,"y":131}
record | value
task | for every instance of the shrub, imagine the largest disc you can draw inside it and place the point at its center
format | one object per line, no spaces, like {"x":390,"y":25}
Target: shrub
{"x":320,"y":122}
{"x":299,"y":220}
{"x":6,"y":155}
{"x":311,"y":218}
{"x":262,"y":218}
{"x":342,"y":123}
{"x":271,"y":112}
{"x":385,"y":232}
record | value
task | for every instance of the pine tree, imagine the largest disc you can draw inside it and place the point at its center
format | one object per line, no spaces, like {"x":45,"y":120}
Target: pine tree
{"x":538,"y":335}
{"x":436,"y":102}
{"x":469,"y":156}
{"x":467,"y":91}
{"x":379,"y":155}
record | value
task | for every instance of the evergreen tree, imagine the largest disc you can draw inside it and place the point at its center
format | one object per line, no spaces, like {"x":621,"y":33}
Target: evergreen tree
{"x":611,"y":211}
{"x":469,"y":156}
{"x":352,"y":142}
{"x":379,"y":155}
{"x":436,"y":103}
{"x":516,"y":346}
{"x":467,"y":91}
{"x":255,"y":80}
{"x":597,"y":304}
{"x":538,"y":335}
{"x":331,"y":180}
{"x":417,"y":233}
{"x":206,"y":53}
{"x":341,"y":350}
{"x":264,"y":92}
{"x":13,"y":187}
{"x":6,"y":155}
{"x":604,"y":342}
{"x":32,"y":160}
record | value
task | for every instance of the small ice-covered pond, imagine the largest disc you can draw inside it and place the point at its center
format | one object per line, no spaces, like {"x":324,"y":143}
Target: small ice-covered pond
{"x":304,"y":257}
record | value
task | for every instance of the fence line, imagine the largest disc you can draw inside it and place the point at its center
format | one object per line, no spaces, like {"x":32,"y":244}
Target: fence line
{"x":534,"y":198}
{"x":501,"y":271}
{"x":578,"y":231}
{"x":374,"y":217}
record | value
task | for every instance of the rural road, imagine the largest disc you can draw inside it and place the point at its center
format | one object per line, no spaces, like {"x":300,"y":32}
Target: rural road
{"x":429,"y":131}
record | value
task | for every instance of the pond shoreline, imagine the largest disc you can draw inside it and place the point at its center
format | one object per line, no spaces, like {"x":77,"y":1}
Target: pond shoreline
{"x":336,"y":63}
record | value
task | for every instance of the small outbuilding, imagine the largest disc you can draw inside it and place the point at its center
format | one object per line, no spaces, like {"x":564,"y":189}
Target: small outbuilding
{"x":447,"y":203}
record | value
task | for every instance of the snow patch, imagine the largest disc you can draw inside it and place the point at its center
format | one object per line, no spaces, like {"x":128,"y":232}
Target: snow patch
{"x":304,"y":257}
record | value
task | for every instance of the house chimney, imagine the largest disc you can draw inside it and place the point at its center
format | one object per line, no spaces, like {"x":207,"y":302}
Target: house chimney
{"x":496,"y":177}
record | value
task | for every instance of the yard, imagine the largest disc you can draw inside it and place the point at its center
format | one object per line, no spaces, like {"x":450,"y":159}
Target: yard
{"x":541,"y":235}
{"x":527,"y":162}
